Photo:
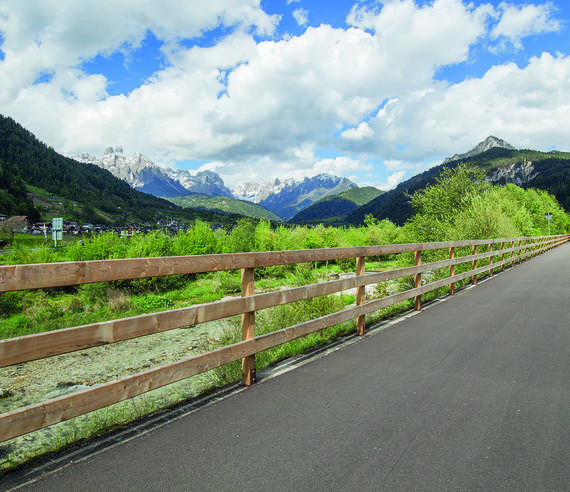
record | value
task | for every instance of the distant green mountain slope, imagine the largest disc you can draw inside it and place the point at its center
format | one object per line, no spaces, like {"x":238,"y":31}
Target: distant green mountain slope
{"x":337,"y":206}
{"x":360,"y":195}
{"x":549,"y":171}
{"x":224,"y":204}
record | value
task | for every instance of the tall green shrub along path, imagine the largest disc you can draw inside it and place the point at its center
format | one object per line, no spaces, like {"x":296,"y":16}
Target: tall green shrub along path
{"x":469,"y":394}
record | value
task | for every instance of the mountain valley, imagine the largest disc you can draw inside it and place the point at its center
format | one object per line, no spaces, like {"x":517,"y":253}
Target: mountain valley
{"x":117,"y":188}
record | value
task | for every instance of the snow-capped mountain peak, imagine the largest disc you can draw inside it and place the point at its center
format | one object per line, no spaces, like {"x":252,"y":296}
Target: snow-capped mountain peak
{"x":283,"y":196}
{"x":141,"y":173}
{"x":286,"y":197}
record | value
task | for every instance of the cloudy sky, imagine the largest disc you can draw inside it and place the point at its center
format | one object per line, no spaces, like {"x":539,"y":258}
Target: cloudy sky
{"x":375,"y":91}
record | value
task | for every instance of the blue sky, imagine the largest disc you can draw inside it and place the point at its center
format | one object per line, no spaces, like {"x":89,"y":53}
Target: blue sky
{"x":374,"y":91}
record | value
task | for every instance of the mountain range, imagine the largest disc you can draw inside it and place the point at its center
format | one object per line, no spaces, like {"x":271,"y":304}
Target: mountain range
{"x":143,"y":175}
{"x":489,"y":143}
{"x":34,"y":177}
{"x":333,"y":209}
{"x":283,"y":197}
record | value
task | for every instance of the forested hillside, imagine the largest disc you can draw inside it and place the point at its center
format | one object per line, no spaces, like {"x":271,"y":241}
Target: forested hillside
{"x":25,"y":159}
{"x":551,"y":172}
{"x":13,"y":194}
{"x":335,"y":208}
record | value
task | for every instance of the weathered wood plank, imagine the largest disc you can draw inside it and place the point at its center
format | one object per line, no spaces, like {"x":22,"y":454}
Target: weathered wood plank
{"x":474,"y":265}
{"x":451,"y":271}
{"x":37,"y":276}
{"x":417,"y":281}
{"x":360,"y":294}
{"x":248,"y":373}
{"x":512,"y":253}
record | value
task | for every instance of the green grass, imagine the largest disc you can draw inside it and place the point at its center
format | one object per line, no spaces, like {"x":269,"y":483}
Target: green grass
{"x":38,"y":240}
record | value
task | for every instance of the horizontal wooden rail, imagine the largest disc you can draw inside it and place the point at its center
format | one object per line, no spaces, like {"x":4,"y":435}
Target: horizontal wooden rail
{"x":37,"y":346}
{"x":33,"y":417}
{"x":44,"y":275}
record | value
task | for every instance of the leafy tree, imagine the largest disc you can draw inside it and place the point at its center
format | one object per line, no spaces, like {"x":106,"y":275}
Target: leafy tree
{"x":242,"y":237}
{"x":461,"y":205}
{"x":437,"y":205}
{"x":9,"y":227}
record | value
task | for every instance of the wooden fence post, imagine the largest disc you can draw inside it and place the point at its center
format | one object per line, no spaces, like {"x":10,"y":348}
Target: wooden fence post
{"x":491,"y":260}
{"x":520,"y":259}
{"x":360,"y":295}
{"x":451,"y":271}
{"x":502,"y":256}
{"x":512,"y":253}
{"x":417,"y":280}
{"x":474,"y":265}
{"x":248,"y":376}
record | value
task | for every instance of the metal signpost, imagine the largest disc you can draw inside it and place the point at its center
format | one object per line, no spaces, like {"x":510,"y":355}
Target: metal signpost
{"x":548,"y":216}
{"x":56,"y":229}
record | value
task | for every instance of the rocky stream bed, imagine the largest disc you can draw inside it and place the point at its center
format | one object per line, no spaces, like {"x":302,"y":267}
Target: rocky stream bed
{"x":44,"y":379}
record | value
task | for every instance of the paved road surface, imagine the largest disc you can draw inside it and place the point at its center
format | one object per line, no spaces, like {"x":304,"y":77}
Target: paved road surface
{"x":470,"y":394}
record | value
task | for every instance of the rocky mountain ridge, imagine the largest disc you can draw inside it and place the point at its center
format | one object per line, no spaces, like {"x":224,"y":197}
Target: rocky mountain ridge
{"x":487,"y":144}
{"x":284,"y":197}
{"x":287,"y":197}
{"x":549,"y":171}
{"x":520,"y":173}
{"x":143,"y":175}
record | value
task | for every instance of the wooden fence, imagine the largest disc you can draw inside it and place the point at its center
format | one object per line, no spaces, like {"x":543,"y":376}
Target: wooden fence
{"x":36,"y":276}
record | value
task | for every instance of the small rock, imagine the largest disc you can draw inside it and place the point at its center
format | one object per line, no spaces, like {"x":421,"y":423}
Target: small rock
{"x":4,"y":393}
{"x":65,"y":384}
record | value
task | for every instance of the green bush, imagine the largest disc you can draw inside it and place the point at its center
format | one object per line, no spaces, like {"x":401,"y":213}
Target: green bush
{"x":242,"y":238}
{"x":197,"y":240}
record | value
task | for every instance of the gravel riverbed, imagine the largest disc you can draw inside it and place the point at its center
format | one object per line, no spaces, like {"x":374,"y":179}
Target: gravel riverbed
{"x":44,"y":379}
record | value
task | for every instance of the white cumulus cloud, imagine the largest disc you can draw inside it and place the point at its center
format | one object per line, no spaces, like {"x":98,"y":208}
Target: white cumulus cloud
{"x":392,"y":181}
{"x":517,"y":22}
{"x":359,"y":133}
{"x":301,"y":16}
{"x":47,"y":36}
{"x":530,"y":107}
{"x":253,"y":110}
